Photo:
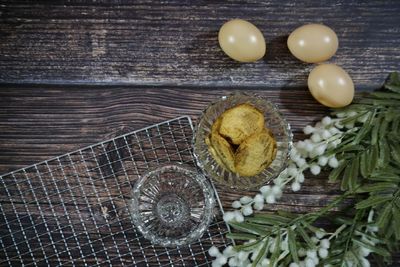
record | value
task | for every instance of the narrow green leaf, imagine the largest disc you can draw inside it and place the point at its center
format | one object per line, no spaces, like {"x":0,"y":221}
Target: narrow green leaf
{"x":365,"y":129}
{"x":270,"y":219}
{"x":395,"y":150}
{"x":247,"y":247}
{"x":373,"y":158}
{"x":396,"y":221}
{"x":363,"y":165}
{"x":241,"y":236}
{"x":384,"y":153}
{"x":375,"y":130}
{"x":261,"y":253}
{"x":377,"y":187}
{"x":386,"y":95}
{"x":292,"y":245}
{"x":277,"y":249}
{"x":378,"y":250}
{"x":372,"y":201}
{"x":335,"y":173}
{"x":249,"y":228}
{"x":393,"y":87}
{"x":345,"y":185}
{"x":384,"y":217}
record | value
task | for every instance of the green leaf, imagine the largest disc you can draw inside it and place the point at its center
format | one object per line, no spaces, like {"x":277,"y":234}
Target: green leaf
{"x":395,"y":151}
{"x":247,"y":247}
{"x":261,"y":253}
{"x":384,"y":217}
{"x":377,"y":187}
{"x":365,"y":129}
{"x":249,"y":228}
{"x":350,"y":176}
{"x":378,"y":250}
{"x":277,"y":249}
{"x":393,"y":83}
{"x":384,"y":153}
{"x":269,"y":219}
{"x":335,"y":173}
{"x":372,"y":201}
{"x":375,"y":130}
{"x":386,"y":95}
{"x":373,"y":154}
{"x":241,"y":236}
{"x":396,"y":221}
{"x":363,"y":165}
{"x":292,"y":245}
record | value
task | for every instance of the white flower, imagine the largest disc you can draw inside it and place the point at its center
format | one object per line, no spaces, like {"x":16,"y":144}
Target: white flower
{"x":278,"y":181}
{"x":258,"y":206}
{"x":259,"y":198}
{"x":319,"y":150}
{"x":316,"y":138}
{"x":265,"y":262}
{"x":324,"y":243}
{"x":238,"y":216}
{"x":309,"y":262}
{"x":242,"y":255}
{"x":229,"y":251}
{"x":232,"y":262}
{"x":334,"y":130}
{"x":265,"y":190}
{"x":300,"y":178}
{"x":301,"y":162}
{"x":247,"y":210}
{"x":214,"y":252}
{"x":322,"y":160}
{"x":326,"y":134}
{"x":365,"y":262}
{"x":323,"y":253}
{"x":340,"y":114}
{"x":349,"y":125}
{"x":245,"y":200}
{"x":293,"y":264}
{"x":215,"y":263}
{"x":326,"y":120}
{"x":236,"y":204}
{"x":333,"y":162}
{"x":309,"y":146}
{"x":302,"y":252}
{"x":270,"y":199}
{"x":229,"y":216}
{"x":311,"y":253}
{"x":314,"y":239}
{"x":221,"y":260}
{"x":308,"y":129}
{"x":276,"y":191}
{"x":295,"y":186}
{"x":320,"y":233}
{"x":315,"y":169}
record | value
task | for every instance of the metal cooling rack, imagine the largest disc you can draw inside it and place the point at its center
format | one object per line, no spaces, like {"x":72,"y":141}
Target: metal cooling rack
{"x":72,"y":210}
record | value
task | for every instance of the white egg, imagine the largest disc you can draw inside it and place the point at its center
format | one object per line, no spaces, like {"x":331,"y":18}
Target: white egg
{"x":331,"y":85}
{"x":313,"y":43}
{"x":242,"y":41}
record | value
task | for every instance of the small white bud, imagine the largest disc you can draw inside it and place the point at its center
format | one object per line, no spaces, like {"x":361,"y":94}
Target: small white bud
{"x":292,"y":171}
{"x":238,"y":216}
{"x":228,"y":216}
{"x":326,"y":134}
{"x":315,"y":169}
{"x":265,"y":262}
{"x":316,"y":138}
{"x":214,"y":252}
{"x":293,"y":264}
{"x":308,"y":129}
{"x":324,"y":243}
{"x":323,"y":253}
{"x":258,"y":206}
{"x":242,"y":255}
{"x":247,"y":210}
{"x":277,"y":181}
{"x":334,"y":130}
{"x":364,"y":252}
{"x":314,"y":239}
{"x":316,"y":260}
{"x":300,"y":145}
{"x":349,"y":125}
{"x":326,"y":120}
{"x":276,"y":191}
{"x":302,"y":252}
{"x":301,"y":162}
{"x":319,"y":125}
{"x":215,"y":263}
{"x":340,"y":114}
{"x":270,"y":199}
{"x":295,"y":186}
{"x":311,"y":253}
{"x":259,"y":198}
{"x":221,"y":260}
{"x":320,"y":233}
{"x":232,"y":262}
{"x":229,"y":251}
{"x":300,"y":177}
{"x":309,"y":262}
{"x":245,"y":200}
{"x":322,"y":160}
{"x":236,"y":204}
{"x":339,"y":125}
{"x":265,"y":190}
{"x":333,"y":162}
{"x":309,"y":147}
{"x":319,"y":150}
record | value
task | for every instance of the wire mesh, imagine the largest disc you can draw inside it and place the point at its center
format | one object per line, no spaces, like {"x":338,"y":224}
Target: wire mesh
{"x":72,"y":210}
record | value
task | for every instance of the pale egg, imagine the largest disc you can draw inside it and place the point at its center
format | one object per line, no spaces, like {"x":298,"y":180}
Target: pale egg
{"x":313,"y":43}
{"x":331,"y":85}
{"x":242,"y":41}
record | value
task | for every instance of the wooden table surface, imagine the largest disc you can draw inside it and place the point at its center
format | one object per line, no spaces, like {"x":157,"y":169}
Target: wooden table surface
{"x":76,"y":73}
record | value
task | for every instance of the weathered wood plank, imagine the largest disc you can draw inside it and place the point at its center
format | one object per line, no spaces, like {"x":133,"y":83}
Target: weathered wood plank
{"x":175,"y":42}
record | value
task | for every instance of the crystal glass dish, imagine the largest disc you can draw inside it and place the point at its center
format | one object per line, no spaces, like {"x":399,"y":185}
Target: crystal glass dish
{"x":273,"y":120}
{"x":172,"y":205}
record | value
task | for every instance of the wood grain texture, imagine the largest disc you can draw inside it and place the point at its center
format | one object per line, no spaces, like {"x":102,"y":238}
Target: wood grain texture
{"x":175,"y":42}
{"x":39,"y":122}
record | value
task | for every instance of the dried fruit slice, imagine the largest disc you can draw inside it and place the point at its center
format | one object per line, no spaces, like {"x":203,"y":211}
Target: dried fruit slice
{"x":255,"y":154}
{"x":240,"y":122}
{"x":222,"y":151}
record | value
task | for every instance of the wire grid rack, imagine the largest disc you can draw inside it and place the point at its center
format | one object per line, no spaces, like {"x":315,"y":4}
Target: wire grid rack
{"x":72,"y":210}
